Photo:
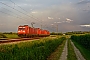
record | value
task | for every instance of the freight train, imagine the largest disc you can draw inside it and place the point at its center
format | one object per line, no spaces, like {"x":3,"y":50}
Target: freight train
{"x":27,"y":31}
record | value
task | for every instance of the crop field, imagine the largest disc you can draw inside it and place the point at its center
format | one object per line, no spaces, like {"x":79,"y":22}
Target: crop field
{"x":50,"y":48}
{"x":82,"y":42}
{"x":35,"y":50}
{"x":57,"y":53}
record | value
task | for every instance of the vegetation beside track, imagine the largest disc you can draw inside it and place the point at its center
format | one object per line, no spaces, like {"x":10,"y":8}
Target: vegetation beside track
{"x":57,"y":53}
{"x":35,"y":50}
{"x":8,"y":35}
{"x":82,"y":42}
{"x":71,"y":53}
{"x":12,"y":36}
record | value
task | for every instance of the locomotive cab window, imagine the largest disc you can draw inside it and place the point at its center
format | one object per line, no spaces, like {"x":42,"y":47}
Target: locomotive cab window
{"x":21,"y":28}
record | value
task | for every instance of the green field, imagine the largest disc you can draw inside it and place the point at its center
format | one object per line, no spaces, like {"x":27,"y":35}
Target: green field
{"x":57,"y":53}
{"x":34,"y":50}
{"x":85,"y":52}
{"x":11,"y":35}
{"x":50,"y":47}
{"x":82,"y":42}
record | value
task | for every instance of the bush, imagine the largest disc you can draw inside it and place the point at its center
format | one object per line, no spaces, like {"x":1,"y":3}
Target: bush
{"x":84,"y":40}
{"x":2,"y":35}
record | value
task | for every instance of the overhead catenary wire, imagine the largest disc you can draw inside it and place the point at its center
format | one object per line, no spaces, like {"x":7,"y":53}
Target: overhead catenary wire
{"x":13,"y":2}
{"x":17,"y":16}
{"x":26,"y":11}
{"x":11,"y":11}
{"x":17,"y":10}
{"x":10,"y":15}
{"x":18,"y":6}
{"x":14,"y":13}
{"x":20,"y":11}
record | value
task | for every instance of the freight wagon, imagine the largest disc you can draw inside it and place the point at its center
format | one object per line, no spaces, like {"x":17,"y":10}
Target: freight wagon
{"x":27,"y":31}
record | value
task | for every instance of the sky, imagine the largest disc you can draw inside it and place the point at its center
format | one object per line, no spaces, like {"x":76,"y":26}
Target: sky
{"x":69,"y":15}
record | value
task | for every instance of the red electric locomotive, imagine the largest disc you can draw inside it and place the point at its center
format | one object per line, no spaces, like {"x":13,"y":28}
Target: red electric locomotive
{"x":26,"y":31}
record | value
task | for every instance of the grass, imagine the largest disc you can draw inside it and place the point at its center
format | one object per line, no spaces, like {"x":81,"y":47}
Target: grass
{"x":57,"y":53}
{"x":71,"y":53}
{"x":11,"y":35}
{"x":34,"y":50}
{"x":84,"y":52}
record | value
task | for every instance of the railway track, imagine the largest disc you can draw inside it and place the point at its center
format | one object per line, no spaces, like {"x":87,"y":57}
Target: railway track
{"x":16,"y":40}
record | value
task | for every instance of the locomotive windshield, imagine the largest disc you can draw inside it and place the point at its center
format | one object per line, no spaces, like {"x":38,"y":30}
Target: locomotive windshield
{"x":21,"y":28}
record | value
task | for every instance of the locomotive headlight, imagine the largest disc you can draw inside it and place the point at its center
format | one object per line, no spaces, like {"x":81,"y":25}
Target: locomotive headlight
{"x":18,"y":31}
{"x":23,"y":31}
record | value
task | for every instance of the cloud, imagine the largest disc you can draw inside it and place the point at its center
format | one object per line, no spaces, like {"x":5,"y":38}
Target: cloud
{"x":1,"y":24}
{"x":85,"y":25}
{"x":83,"y":2}
{"x":58,"y":18}
{"x":52,"y":24}
{"x":68,"y":20}
{"x":57,"y":22}
{"x":34,"y":12}
{"x":50,"y":18}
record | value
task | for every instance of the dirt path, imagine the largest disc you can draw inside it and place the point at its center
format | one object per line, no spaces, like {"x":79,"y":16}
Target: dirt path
{"x":64,"y":53}
{"x":77,"y":52}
